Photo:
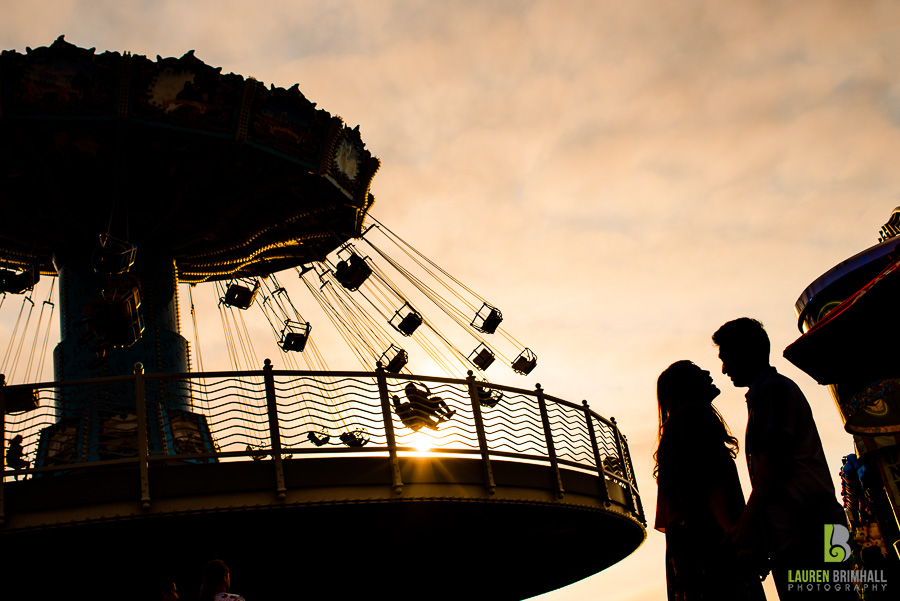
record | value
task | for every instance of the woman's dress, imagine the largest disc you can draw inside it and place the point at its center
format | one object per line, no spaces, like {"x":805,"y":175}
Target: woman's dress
{"x":696,"y":470}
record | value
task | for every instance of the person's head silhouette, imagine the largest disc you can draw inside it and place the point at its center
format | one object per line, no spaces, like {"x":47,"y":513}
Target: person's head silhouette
{"x":743,"y":349}
{"x":216,"y":579}
{"x":682,"y":383}
{"x":685,"y":385}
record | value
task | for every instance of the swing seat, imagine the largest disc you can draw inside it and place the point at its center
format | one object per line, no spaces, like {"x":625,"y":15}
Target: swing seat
{"x":114,"y":320}
{"x":352,"y":272}
{"x":294,"y":342}
{"x":406,"y":320}
{"x":355,"y":438}
{"x":525,"y":362}
{"x":394,"y":363}
{"x":18,"y":283}
{"x":125,"y":333}
{"x":240,"y":296}
{"x":255,"y":456}
{"x":318,"y":438}
{"x":409,"y":417}
{"x":294,"y":336}
{"x":489,"y":397}
{"x":487,"y":319}
{"x":114,"y":256}
{"x":409,"y":324}
{"x":482,"y":358}
{"x":398,"y":362}
{"x":126,"y":324}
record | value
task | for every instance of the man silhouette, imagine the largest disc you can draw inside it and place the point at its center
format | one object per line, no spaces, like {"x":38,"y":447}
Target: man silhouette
{"x":793,"y":495}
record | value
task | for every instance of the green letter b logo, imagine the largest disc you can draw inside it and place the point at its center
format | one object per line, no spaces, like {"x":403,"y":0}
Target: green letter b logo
{"x":836,"y":538}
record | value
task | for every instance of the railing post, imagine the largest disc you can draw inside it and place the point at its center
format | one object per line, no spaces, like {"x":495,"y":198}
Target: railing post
{"x":604,"y":492}
{"x":396,"y":480}
{"x":482,"y":438}
{"x":627,"y":473}
{"x":548,"y":436}
{"x":274,"y":434}
{"x":140,"y":404}
{"x":637,"y":493}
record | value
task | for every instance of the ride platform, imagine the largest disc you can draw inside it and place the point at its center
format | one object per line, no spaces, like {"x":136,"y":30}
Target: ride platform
{"x":504,"y":502}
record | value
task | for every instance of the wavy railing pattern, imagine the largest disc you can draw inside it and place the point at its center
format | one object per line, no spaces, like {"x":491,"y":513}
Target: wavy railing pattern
{"x":233,"y":416}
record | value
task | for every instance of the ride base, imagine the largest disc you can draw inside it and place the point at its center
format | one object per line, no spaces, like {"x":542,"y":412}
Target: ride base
{"x":504,"y":501}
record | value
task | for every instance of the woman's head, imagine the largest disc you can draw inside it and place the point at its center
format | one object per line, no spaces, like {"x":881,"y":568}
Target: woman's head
{"x":682,"y":383}
{"x":216,"y":579}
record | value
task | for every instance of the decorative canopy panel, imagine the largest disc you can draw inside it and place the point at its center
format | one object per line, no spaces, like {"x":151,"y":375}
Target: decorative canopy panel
{"x":227,"y":177}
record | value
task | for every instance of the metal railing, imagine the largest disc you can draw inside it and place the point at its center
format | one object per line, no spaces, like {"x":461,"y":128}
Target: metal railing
{"x":273,"y":414}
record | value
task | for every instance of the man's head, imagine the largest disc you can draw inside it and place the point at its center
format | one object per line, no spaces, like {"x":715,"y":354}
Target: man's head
{"x":743,"y":348}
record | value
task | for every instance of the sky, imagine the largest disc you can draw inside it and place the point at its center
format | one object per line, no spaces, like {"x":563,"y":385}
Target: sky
{"x":620,"y":178}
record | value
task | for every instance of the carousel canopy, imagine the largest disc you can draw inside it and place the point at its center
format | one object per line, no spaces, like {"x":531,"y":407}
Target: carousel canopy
{"x":226,"y":176}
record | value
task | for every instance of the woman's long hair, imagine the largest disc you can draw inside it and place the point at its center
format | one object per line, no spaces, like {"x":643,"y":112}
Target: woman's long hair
{"x":214,"y":574}
{"x":671,"y":389}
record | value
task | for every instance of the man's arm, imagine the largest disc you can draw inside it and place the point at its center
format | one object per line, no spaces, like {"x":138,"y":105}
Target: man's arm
{"x":745,"y":535}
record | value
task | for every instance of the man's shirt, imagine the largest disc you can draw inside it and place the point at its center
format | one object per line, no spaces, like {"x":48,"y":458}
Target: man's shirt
{"x":780,"y":424}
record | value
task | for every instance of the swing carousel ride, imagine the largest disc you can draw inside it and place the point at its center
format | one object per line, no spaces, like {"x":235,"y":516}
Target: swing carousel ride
{"x":125,"y":179}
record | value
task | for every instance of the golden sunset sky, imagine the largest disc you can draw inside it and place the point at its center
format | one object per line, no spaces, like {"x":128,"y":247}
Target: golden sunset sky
{"x":620,"y":178}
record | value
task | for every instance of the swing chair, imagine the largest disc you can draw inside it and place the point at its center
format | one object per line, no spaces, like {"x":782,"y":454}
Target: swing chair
{"x":126,"y":324}
{"x":426,"y":405}
{"x":394,"y":359}
{"x":294,"y":336}
{"x":482,"y":357}
{"x":525,"y":362}
{"x":241,"y":292}
{"x":318,"y":438}
{"x":489,"y":397}
{"x":114,"y":319}
{"x":352,"y":271}
{"x":355,"y":438}
{"x":113,"y":256}
{"x":18,"y":282}
{"x":487,"y":319}
{"x":406,"y":320}
{"x":412,"y":416}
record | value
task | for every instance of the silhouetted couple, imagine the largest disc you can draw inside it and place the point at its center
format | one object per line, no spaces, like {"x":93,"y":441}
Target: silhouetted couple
{"x":716,"y":547}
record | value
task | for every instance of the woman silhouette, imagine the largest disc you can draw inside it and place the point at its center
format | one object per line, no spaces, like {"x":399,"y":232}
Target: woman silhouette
{"x":699,"y":497}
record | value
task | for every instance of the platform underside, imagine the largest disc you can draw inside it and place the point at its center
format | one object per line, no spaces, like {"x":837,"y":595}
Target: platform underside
{"x":339,"y":532}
